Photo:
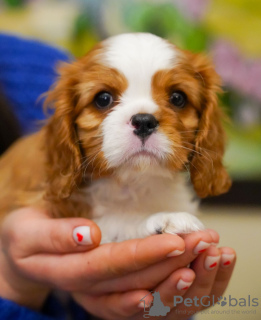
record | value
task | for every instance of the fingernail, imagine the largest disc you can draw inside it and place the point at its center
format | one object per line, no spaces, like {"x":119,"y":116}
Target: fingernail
{"x":211,"y":262}
{"x":147,"y":304}
{"x":183,"y":285}
{"x":82,"y":235}
{"x":214,"y":243}
{"x":201,"y":247}
{"x":175,"y":253}
{"x":227,"y":259}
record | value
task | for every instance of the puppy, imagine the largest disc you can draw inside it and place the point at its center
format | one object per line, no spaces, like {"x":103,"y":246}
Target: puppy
{"x":136,"y":128}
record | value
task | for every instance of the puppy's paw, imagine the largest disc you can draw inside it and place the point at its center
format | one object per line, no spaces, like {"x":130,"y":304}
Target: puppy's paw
{"x":175,"y":223}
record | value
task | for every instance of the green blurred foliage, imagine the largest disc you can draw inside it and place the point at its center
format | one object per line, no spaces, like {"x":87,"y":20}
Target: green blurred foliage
{"x":84,"y":35}
{"x":14,"y":3}
{"x":165,"y":21}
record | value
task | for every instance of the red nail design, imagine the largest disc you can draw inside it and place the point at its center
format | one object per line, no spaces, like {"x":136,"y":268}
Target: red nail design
{"x":82,"y":235}
{"x":213,"y":265}
{"x":183,"y":285}
{"x":79,"y":236}
{"x":201,"y":247}
{"x":227,"y":259}
{"x":211,"y":262}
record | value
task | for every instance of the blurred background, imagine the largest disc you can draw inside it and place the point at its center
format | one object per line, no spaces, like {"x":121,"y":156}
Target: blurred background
{"x":229,"y":31}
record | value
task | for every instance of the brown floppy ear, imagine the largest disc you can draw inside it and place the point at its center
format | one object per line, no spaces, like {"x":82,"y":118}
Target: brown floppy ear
{"x":208,"y":174}
{"x":63,"y":154}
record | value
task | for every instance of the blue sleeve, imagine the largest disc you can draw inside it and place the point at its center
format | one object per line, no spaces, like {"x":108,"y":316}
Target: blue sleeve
{"x":52,"y":310}
{"x":27,"y":70}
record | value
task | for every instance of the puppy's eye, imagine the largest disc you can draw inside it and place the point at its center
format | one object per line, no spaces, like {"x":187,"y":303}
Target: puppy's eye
{"x":103,"y":100}
{"x":178,"y":99}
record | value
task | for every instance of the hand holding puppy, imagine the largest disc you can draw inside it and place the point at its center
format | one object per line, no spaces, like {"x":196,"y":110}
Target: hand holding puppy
{"x":39,"y":254}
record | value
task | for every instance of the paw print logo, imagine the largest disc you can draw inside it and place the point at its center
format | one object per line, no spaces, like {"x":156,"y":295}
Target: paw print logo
{"x":223,"y":302}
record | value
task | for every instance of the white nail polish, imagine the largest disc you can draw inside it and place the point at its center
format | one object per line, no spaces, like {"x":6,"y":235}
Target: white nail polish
{"x":175,"y":253}
{"x":183,"y":285}
{"x":201,"y":247}
{"x":147,"y":303}
{"x":227,"y":259}
{"x":82,"y":235}
{"x":211,"y":262}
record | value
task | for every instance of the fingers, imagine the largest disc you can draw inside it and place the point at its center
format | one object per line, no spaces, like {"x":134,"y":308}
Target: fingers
{"x":224,"y":273}
{"x":76,"y":272}
{"x":198,"y":296}
{"x":156,"y":273}
{"x":214,"y":235}
{"x":135,"y":304}
{"x":175,"y":285}
{"x":182,"y":292}
{"x":28,"y":231}
{"x":116,"y":306}
{"x":132,"y":255}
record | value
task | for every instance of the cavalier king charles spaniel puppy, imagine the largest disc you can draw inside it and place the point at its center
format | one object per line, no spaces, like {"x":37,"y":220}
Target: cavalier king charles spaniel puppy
{"x":135,"y":135}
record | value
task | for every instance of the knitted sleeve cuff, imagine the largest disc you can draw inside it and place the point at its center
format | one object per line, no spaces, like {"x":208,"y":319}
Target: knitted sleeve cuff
{"x":52,"y":310}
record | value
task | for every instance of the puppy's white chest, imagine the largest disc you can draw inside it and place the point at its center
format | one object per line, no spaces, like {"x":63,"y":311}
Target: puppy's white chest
{"x":120,"y":208}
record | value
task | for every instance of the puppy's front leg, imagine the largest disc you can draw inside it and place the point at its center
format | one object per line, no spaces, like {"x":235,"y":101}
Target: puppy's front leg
{"x":126,"y":227}
{"x":174,"y":223}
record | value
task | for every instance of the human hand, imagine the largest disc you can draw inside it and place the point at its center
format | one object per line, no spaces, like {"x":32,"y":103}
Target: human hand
{"x":29,"y":241}
{"x":39,"y":253}
{"x":171,"y":278}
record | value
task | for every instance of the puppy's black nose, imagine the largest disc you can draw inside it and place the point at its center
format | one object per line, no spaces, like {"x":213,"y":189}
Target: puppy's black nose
{"x":144,"y":124}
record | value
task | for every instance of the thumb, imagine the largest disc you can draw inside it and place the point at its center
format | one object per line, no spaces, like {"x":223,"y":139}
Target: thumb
{"x":29,"y":231}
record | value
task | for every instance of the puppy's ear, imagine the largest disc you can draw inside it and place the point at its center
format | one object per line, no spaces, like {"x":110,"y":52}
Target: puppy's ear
{"x":208,"y":174}
{"x":63,"y":154}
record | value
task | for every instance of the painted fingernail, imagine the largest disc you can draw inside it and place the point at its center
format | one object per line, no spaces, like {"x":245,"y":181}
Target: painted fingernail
{"x":175,"y":253}
{"x":82,"y":235}
{"x":145,"y":303}
{"x":183,"y":285}
{"x":141,"y":305}
{"x":227,"y":259}
{"x":211,"y":262}
{"x":201,"y":247}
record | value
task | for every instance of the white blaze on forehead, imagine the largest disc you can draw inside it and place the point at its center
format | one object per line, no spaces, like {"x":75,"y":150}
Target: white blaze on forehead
{"x":138,"y":56}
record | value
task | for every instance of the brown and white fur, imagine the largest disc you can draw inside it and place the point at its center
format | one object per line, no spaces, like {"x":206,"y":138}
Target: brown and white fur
{"x":89,"y":161}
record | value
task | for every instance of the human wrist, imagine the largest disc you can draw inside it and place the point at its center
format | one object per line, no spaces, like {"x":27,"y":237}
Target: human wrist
{"x":20,"y":290}
{"x":27,"y":295}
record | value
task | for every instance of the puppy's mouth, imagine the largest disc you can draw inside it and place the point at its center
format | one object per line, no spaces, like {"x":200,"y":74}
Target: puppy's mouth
{"x":145,"y":155}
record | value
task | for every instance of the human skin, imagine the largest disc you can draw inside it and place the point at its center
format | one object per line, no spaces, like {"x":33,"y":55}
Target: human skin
{"x":204,"y":283}
{"x":39,"y":254}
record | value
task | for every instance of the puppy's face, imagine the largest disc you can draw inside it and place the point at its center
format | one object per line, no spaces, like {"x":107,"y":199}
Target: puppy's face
{"x":137,"y":102}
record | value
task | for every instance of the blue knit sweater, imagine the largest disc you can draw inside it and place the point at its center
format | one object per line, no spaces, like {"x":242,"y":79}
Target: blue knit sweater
{"x":52,"y":310}
{"x":27,"y":69}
